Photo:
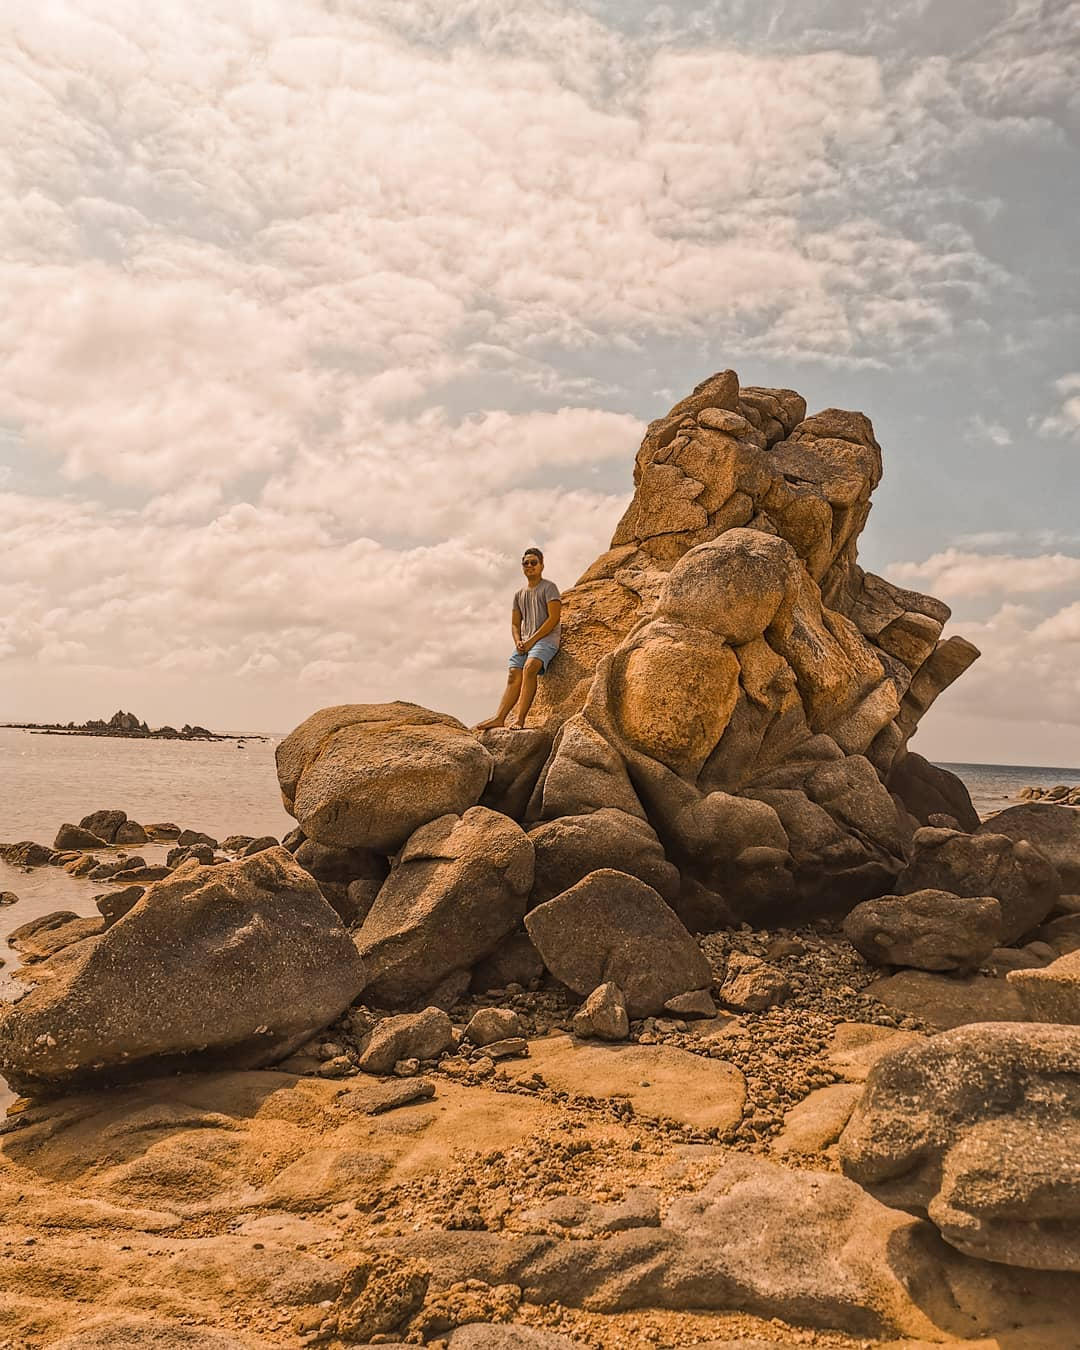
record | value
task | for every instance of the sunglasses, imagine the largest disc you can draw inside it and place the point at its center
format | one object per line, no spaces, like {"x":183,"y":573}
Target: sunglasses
{"x":530,"y":562}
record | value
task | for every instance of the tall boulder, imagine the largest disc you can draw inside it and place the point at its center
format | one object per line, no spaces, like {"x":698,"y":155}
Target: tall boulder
{"x":226,"y":966}
{"x":459,"y":886}
{"x":728,"y":647}
{"x":366,"y":775}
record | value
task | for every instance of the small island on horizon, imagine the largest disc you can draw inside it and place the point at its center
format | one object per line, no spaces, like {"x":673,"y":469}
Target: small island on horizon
{"x":126,"y":724}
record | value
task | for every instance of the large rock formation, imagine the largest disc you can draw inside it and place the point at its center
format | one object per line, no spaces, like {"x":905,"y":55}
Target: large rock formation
{"x":233,"y":965}
{"x":729,"y":679}
{"x":730,"y":673}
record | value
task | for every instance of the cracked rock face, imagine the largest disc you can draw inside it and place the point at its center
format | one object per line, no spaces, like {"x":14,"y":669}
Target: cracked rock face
{"x":730,"y":673}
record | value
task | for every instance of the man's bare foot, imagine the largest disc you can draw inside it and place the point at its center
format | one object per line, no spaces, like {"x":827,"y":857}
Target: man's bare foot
{"x":486,"y":726}
{"x":515,"y":724}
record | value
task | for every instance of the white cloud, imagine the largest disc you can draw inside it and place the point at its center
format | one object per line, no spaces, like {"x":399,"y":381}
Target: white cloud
{"x":980,"y":430}
{"x":958,"y":573}
{"x":1065,"y":421}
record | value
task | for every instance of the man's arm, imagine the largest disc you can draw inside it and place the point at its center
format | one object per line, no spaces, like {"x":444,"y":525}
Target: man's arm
{"x":515,"y":625}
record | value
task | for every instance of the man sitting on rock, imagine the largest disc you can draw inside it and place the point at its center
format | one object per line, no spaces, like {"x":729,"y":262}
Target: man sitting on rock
{"x":537,"y":630}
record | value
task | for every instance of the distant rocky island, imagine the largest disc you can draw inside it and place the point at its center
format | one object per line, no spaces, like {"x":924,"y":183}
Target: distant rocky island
{"x":126,"y":724}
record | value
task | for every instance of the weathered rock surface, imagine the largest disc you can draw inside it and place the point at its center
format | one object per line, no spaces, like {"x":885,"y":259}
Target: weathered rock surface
{"x":568,"y":849}
{"x":459,"y":886}
{"x":752,"y":985}
{"x":488,"y":1025}
{"x":1052,"y":993}
{"x":1016,"y":874}
{"x":104,"y":824}
{"x":979,"y":1126}
{"x":729,"y":678}
{"x":422,"y":1035}
{"x":612,"y":927}
{"x":1054,"y":831}
{"x":945,"y":1001}
{"x":367,"y":775}
{"x":930,"y":930}
{"x":659,"y":1081}
{"x":603,"y":1015}
{"x":231,"y":965}
{"x":74,"y":837}
{"x":818,"y":1120}
{"x":927,"y":789}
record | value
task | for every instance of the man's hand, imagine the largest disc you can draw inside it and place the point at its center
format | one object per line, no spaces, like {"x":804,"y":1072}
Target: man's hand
{"x":522,"y":646}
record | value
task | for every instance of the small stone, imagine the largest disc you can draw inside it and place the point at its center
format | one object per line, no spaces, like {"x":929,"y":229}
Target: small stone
{"x":751,"y":985}
{"x":509,"y":1048}
{"x":696,"y":1003}
{"x":406,"y":1068}
{"x":603,"y":1014}
{"x":493,"y":1024}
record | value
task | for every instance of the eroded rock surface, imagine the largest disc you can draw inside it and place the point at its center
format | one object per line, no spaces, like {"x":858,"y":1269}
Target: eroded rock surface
{"x":979,"y":1128}
{"x":369,"y":775}
{"x":227,"y":965}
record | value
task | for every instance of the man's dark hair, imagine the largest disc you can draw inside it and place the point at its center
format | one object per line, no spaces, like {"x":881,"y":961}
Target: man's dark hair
{"x":534,"y":553}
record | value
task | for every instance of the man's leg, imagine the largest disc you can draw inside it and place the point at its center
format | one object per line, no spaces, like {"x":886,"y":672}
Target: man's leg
{"x":509,"y":698}
{"x":533,"y":667}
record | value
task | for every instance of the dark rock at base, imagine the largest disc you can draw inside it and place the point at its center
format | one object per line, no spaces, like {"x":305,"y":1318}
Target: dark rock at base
{"x":979,"y":1126}
{"x":104,"y":824}
{"x":1054,"y":830}
{"x":514,"y":961}
{"x":569,"y":848}
{"x":1016,"y":874}
{"x":945,"y":1001}
{"x":245,"y":961}
{"x":27,"y":854}
{"x":131,"y":832}
{"x":188,"y":837}
{"x":236,"y":843}
{"x":457,"y":888}
{"x":141,"y":874}
{"x":202,"y":853}
{"x":612,"y":927}
{"x":930,"y":930}
{"x":344,"y":865}
{"x":162,"y":830}
{"x":293,"y":839}
{"x":422,"y":1035}
{"x":518,"y":756}
{"x":113,"y":905}
{"x":74,"y":837}
{"x":8,"y":898}
{"x":926,"y":790}
{"x":258,"y":845}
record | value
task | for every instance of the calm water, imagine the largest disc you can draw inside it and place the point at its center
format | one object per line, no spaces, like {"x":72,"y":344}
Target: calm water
{"x":993,"y":787}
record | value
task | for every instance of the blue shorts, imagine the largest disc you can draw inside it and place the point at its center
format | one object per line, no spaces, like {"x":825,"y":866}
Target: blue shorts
{"x":542,"y":650}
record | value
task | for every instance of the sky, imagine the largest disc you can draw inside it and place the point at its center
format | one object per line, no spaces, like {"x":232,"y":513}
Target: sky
{"x":313,"y":315}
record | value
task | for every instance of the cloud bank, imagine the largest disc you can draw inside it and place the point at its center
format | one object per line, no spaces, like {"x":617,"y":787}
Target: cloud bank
{"x":315,"y":314}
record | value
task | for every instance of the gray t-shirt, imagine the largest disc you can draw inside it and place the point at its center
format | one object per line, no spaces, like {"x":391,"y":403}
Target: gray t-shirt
{"x":531,"y":603}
